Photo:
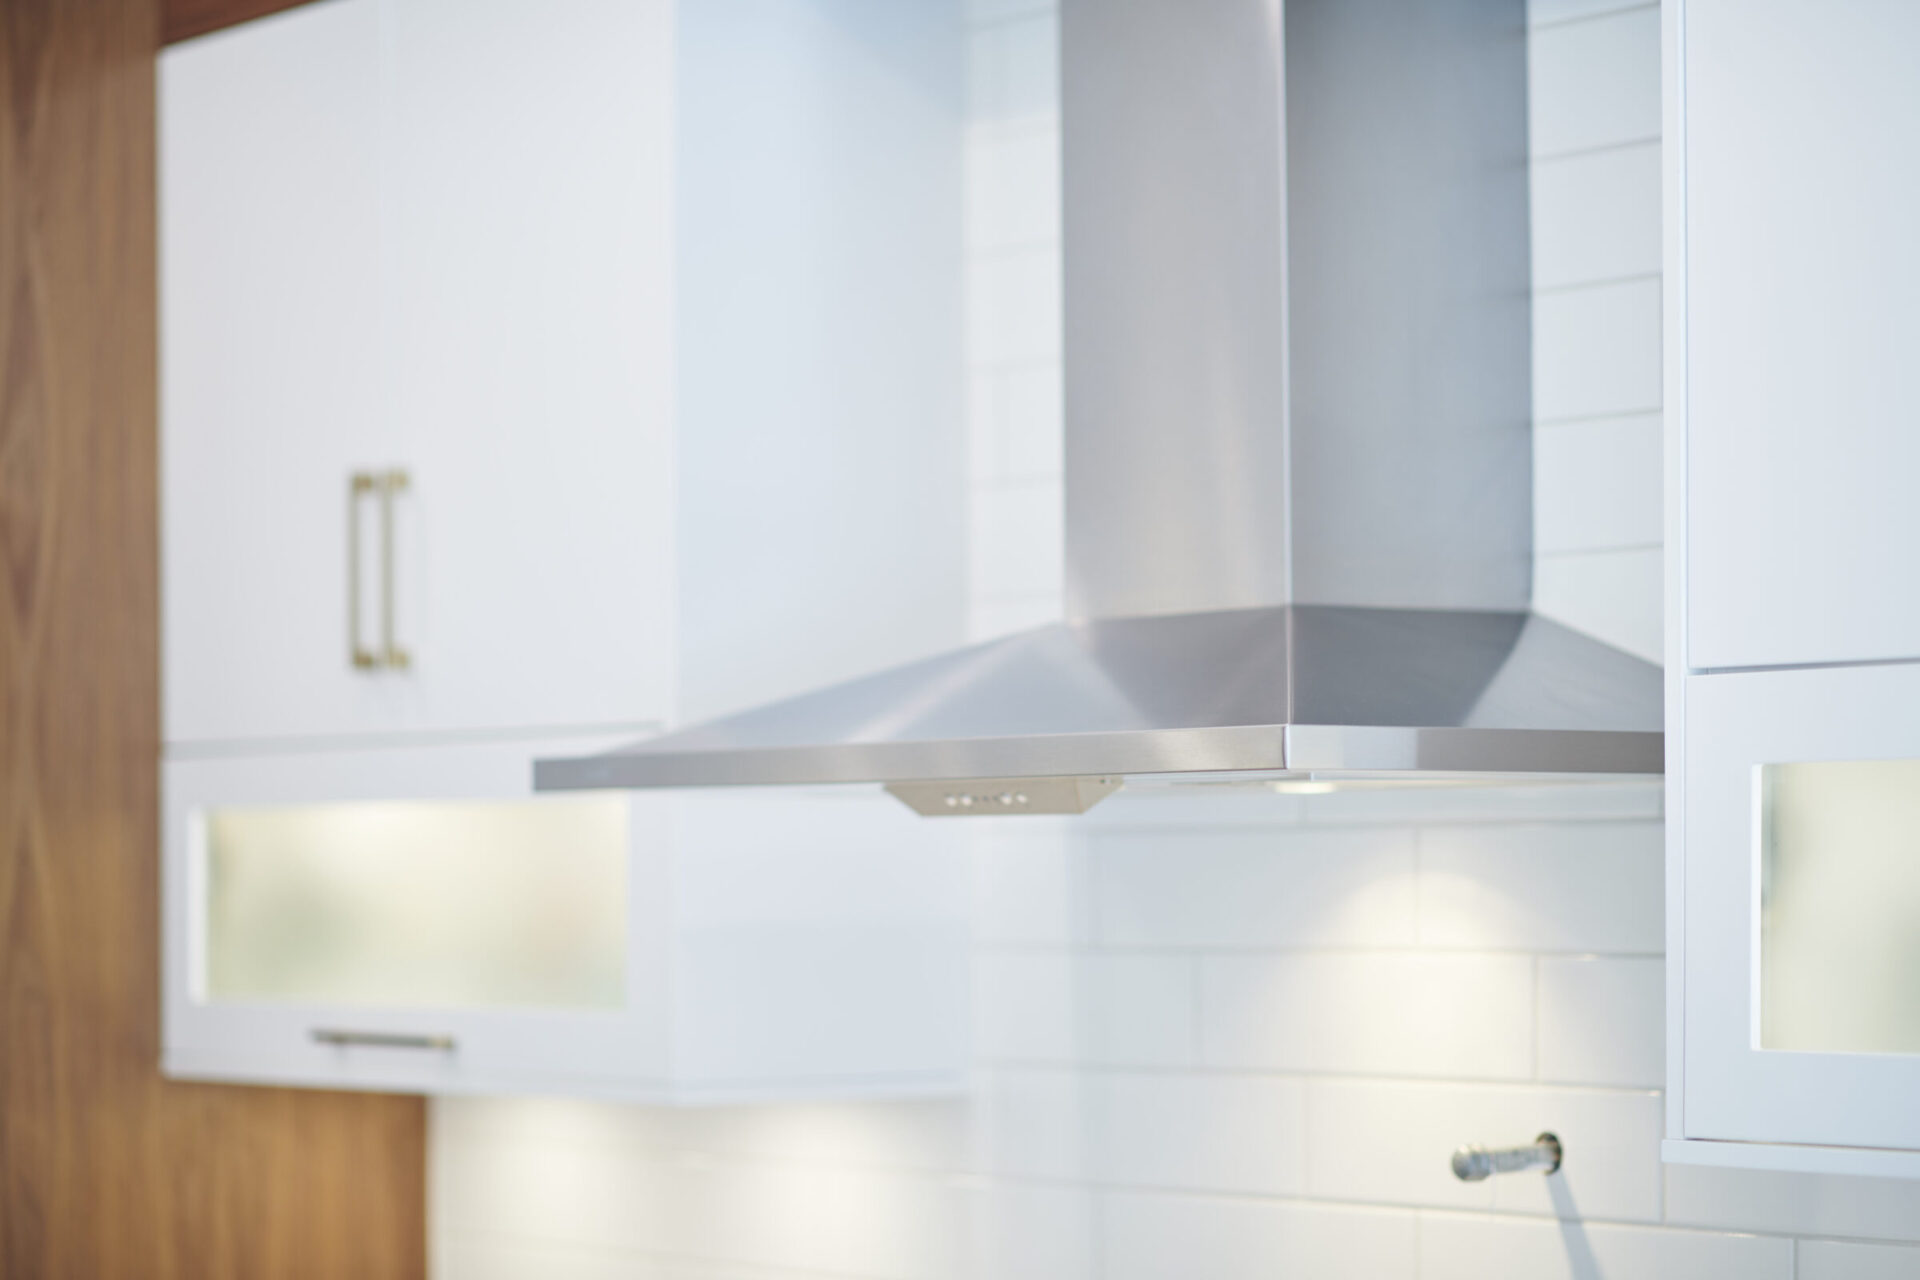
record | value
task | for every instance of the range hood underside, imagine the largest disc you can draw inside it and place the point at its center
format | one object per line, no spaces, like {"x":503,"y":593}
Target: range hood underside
{"x":1280,"y":689}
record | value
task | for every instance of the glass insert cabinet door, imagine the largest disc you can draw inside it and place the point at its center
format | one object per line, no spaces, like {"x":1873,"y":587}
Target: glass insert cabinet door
{"x":1801,"y":894}
{"x":414,"y":919}
{"x":426,"y":904}
{"x":408,"y":918}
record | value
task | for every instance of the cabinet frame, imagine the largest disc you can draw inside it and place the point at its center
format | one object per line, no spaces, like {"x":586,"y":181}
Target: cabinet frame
{"x":786,"y":944}
{"x":495,"y":1050}
{"x":1736,"y":724}
{"x":1686,"y":1140}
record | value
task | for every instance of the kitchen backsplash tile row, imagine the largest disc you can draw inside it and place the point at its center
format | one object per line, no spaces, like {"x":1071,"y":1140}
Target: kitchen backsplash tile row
{"x":1594,"y":115}
{"x":1593,"y":81}
{"x":1236,"y":1035}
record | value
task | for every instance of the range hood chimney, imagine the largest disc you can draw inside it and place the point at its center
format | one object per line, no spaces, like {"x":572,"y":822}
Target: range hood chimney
{"x":1298,"y":442}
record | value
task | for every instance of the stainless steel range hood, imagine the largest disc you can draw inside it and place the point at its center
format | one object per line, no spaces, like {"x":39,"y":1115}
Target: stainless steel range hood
{"x":1298,"y":442}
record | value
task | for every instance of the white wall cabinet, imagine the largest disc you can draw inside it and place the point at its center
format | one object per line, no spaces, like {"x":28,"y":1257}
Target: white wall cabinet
{"x":434,"y":237}
{"x":1802,"y":316}
{"x":656,"y":307}
{"x":1794,"y":626}
{"x":411,"y":918}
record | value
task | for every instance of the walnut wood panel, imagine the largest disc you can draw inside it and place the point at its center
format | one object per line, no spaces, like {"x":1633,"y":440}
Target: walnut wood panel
{"x":184,"y":19}
{"x":107,"y":1171}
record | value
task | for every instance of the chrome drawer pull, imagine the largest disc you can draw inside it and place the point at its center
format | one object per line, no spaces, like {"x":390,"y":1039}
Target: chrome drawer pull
{"x":382,"y":1040}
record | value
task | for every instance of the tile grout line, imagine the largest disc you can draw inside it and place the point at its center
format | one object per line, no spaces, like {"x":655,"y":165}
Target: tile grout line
{"x":1592,"y":149}
{"x":1603,"y":282}
{"x":1574,"y":20}
{"x":1574,"y":419}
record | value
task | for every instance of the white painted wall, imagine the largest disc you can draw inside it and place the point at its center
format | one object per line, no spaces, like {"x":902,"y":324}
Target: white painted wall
{"x":1237,"y":1037}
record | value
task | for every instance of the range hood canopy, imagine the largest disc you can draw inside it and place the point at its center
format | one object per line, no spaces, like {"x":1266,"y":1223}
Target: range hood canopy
{"x":1298,"y":442}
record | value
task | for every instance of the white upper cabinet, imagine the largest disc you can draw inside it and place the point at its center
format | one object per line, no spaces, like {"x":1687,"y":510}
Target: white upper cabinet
{"x":654,"y":311}
{"x":270,"y":334}
{"x":1802,"y":390}
{"x":534,"y":370}
{"x":530,"y":355}
{"x":427,"y":239}
{"x":1793,"y":284}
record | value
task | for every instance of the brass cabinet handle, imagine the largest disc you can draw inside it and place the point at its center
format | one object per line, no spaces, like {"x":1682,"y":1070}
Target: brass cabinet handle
{"x":392,"y":656}
{"x":389,"y":655}
{"x":359,"y":484}
{"x":341,"y":1038}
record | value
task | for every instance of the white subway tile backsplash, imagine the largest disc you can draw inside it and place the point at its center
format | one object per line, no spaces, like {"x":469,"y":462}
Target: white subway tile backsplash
{"x":1596,"y":351}
{"x":1389,"y":1142}
{"x":1615,"y":596}
{"x":1220,"y":1133}
{"x":1596,"y":484}
{"x":1460,"y":1016}
{"x":1596,"y":216}
{"x":1013,"y":68}
{"x":1030,"y":1123}
{"x":1318,"y":888}
{"x":984,"y":414}
{"x":1594,"y":83}
{"x":980,"y":12}
{"x":1139,"y":1010}
{"x":824,"y":1220}
{"x":1001,"y":615}
{"x":1542,"y":13}
{"x":1033,"y":1232}
{"x":476,"y":1256}
{"x":1028,"y":884}
{"x":1012,"y":186}
{"x":1161,"y":1237}
{"x":1586,"y":887}
{"x":1017,"y":540}
{"x":1471,"y":1247}
{"x":1794,"y":1203}
{"x":1602,"y":1020}
{"x":604,"y":1198}
{"x":1024,"y":1007}
{"x":1013,"y":306}
{"x":1842,"y":1260}
{"x":1128,"y":1010}
{"x":908,"y":1135}
{"x":1032,"y":422}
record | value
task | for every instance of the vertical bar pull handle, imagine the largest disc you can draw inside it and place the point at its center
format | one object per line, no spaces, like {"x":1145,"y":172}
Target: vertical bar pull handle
{"x":359,"y":484}
{"x":392,"y":656}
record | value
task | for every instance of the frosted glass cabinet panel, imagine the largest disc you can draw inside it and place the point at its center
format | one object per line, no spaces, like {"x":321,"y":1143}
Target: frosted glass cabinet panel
{"x":414,"y":919}
{"x":1840,"y":906}
{"x":515,"y":904}
{"x":1799,"y":989}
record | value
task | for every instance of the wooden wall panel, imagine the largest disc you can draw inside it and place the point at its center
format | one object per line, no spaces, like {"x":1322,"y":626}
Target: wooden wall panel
{"x":184,"y":19}
{"x":107,"y":1171}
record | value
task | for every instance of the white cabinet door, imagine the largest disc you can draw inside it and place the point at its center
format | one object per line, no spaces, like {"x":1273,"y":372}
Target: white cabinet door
{"x":408,"y":918}
{"x":432,"y":236}
{"x":1801,"y":127}
{"x":529,"y":270}
{"x":1801,"y":895}
{"x":415,"y":919}
{"x":271,"y":329}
